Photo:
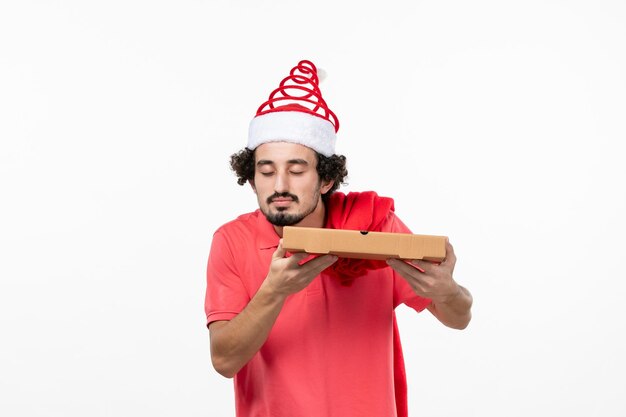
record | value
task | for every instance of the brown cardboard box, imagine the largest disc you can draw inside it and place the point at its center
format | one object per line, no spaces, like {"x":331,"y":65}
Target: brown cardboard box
{"x":364,"y":245}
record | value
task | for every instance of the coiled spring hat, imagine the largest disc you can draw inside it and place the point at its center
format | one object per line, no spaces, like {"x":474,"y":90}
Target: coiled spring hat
{"x":296,"y":112}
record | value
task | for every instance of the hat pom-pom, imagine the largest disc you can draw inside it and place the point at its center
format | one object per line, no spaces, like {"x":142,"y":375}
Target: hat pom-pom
{"x":321,"y":74}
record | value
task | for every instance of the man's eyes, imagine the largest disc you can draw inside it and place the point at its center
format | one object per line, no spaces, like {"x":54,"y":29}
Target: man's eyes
{"x":269,"y":174}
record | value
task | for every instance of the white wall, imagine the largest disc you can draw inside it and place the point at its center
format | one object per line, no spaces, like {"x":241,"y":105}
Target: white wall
{"x":499,"y":124}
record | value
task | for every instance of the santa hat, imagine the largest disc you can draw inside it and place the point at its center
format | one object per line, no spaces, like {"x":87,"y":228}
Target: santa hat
{"x":296,"y":112}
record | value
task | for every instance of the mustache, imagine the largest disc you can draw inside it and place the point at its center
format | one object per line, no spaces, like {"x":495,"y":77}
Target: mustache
{"x":282,"y":195}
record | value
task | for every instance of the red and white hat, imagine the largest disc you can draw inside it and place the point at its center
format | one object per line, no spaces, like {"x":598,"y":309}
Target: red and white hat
{"x":296,"y":112}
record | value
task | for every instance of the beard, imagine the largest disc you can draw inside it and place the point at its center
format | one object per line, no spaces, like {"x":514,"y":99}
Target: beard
{"x":281,"y":218}
{"x":284,"y":219}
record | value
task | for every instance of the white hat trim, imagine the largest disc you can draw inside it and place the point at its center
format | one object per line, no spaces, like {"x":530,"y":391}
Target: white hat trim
{"x":293,"y":126}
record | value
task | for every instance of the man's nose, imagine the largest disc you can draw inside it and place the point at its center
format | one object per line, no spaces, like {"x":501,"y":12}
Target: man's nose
{"x":282,"y":184}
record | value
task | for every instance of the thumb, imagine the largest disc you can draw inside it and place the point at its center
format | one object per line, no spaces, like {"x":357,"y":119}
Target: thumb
{"x":279,"y":252}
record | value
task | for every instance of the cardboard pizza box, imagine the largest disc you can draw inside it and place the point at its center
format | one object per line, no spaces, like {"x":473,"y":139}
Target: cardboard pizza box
{"x":364,"y":245}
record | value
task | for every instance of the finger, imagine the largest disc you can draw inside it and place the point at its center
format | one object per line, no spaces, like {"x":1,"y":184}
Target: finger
{"x":298,"y":258}
{"x":319,"y":264}
{"x":450,"y":255}
{"x":425,"y":266}
{"x":404,"y":268}
{"x":410,"y":273}
{"x":416,"y":266}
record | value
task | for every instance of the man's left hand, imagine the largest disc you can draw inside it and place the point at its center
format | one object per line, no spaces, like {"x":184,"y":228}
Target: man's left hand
{"x":451,"y":303}
{"x":430,"y":280}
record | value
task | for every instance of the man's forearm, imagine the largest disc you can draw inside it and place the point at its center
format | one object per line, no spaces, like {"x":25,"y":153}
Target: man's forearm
{"x":454,"y":312}
{"x":234,"y":342}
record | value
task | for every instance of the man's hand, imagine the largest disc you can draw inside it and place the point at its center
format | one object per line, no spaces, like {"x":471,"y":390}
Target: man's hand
{"x":234,"y":342}
{"x":428,"y":279}
{"x":451,"y":303}
{"x":288,"y":275}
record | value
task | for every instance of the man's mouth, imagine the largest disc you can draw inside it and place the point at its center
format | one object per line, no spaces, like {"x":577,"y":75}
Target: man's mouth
{"x":282,"y":201}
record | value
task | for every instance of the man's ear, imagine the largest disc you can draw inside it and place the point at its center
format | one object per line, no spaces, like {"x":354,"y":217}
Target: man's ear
{"x":251,"y":181}
{"x":326,"y":185}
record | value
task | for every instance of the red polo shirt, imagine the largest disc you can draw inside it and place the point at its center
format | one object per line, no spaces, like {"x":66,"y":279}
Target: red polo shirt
{"x":330,"y":352}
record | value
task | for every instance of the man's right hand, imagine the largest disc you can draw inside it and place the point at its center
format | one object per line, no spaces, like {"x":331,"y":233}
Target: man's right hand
{"x":286,"y":276}
{"x":234,"y":342}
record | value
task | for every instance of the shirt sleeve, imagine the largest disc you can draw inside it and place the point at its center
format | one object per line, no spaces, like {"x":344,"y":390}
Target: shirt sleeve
{"x":226,"y":295}
{"x":402,"y":292}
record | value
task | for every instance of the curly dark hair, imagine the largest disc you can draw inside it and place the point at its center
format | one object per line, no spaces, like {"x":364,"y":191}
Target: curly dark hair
{"x":329,"y":168}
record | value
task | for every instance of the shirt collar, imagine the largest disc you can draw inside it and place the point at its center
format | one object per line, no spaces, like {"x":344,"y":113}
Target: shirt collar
{"x":266,"y":234}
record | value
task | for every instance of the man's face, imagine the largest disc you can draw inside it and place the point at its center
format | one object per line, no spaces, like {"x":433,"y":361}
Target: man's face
{"x":286,"y":182}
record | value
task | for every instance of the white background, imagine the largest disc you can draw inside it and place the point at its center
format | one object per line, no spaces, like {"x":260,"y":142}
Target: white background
{"x":499,"y":124}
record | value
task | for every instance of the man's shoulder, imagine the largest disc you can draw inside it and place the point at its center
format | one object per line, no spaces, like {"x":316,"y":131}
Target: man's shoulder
{"x":392,"y":223}
{"x":244,"y":223}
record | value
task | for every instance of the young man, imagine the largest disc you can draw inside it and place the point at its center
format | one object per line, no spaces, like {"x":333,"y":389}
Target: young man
{"x":313,"y":337}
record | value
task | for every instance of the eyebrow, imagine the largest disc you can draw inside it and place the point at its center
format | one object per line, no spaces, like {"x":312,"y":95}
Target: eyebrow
{"x":263,"y":162}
